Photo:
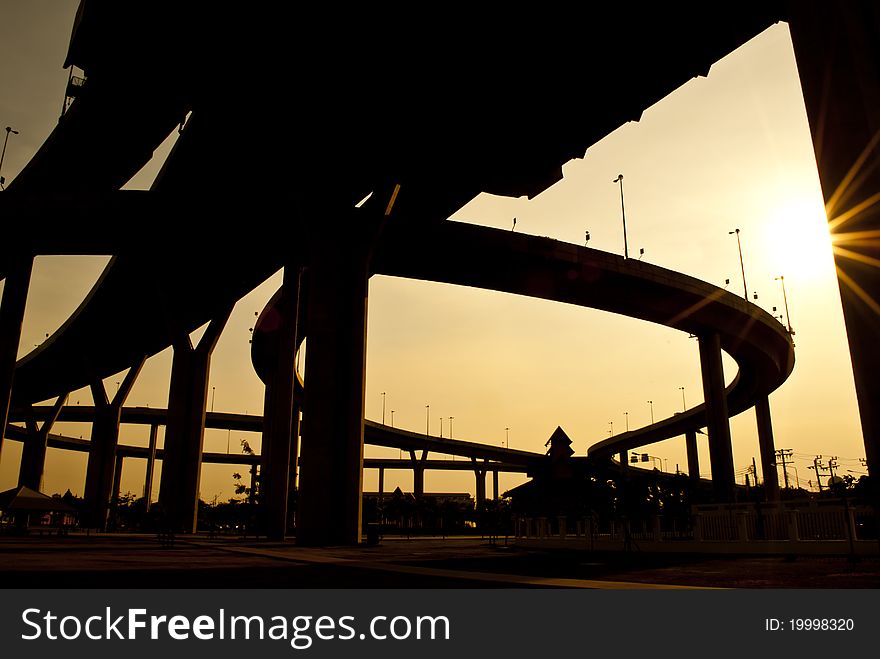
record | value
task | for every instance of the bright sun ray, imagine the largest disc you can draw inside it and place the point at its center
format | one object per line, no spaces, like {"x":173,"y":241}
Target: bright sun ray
{"x":798,"y":233}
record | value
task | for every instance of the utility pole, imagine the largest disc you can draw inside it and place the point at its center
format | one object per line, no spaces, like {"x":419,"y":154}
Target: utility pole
{"x":832,"y":465}
{"x":755,"y":470}
{"x":781,"y":455}
{"x":818,"y":467}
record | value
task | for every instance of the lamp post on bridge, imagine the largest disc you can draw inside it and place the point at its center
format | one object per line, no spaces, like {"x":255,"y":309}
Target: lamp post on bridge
{"x":781,"y":279}
{"x":619,"y":179}
{"x":741,"y":264}
{"x":9,"y":129}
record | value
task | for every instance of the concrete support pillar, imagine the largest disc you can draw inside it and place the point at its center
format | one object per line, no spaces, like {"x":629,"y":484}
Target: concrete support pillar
{"x":495,"y":493}
{"x":280,"y":444}
{"x":418,"y":473}
{"x":102,"y":449}
{"x":835,"y":44}
{"x":185,"y":432}
{"x":767,"y":448}
{"x":33,"y":455}
{"x":117,"y":481}
{"x":381,"y":485}
{"x":717,"y":418}
{"x":331,"y":475}
{"x":480,"y":475}
{"x":255,"y":478}
{"x":15,"y":291}
{"x":293,"y":465}
{"x":151,"y":464}
{"x":693,"y":456}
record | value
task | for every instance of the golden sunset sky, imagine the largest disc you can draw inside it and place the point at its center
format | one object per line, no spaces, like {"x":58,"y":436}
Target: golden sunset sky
{"x":728,"y":151}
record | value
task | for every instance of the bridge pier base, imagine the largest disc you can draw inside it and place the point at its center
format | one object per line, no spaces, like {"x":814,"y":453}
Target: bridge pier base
{"x":102,"y":449}
{"x":185,"y":432}
{"x":718,"y":418}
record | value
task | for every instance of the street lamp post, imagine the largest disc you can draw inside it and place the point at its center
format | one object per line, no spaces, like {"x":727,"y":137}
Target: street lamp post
{"x":392,"y":418}
{"x":626,"y":419}
{"x":611,"y":423}
{"x":651,"y":403}
{"x":619,"y":179}
{"x":683,"y":404}
{"x":427,"y":419}
{"x":507,"y":432}
{"x":450,"y":426}
{"x":781,"y":278}
{"x":213,"y":394}
{"x":3,"y":155}
{"x":383,"y":407}
{"x":741,"y":264}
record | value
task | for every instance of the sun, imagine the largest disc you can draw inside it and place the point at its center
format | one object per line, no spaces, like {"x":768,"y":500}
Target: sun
{"x":797,"y":234}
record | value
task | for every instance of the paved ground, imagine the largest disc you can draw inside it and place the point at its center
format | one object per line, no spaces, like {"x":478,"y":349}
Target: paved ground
{"x":128,"y":561}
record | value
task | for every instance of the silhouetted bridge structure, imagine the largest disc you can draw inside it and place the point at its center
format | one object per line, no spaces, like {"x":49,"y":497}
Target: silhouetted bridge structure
{"x":360,"y":134}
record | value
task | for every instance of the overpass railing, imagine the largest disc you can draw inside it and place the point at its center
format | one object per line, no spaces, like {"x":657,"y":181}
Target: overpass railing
{"x":801,"y":521}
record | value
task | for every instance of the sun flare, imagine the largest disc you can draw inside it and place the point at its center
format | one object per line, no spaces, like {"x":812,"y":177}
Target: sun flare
{"x":797,"y":232}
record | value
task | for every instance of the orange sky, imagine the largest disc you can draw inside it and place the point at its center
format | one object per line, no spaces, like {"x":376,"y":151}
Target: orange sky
{"x":728,"y":151}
